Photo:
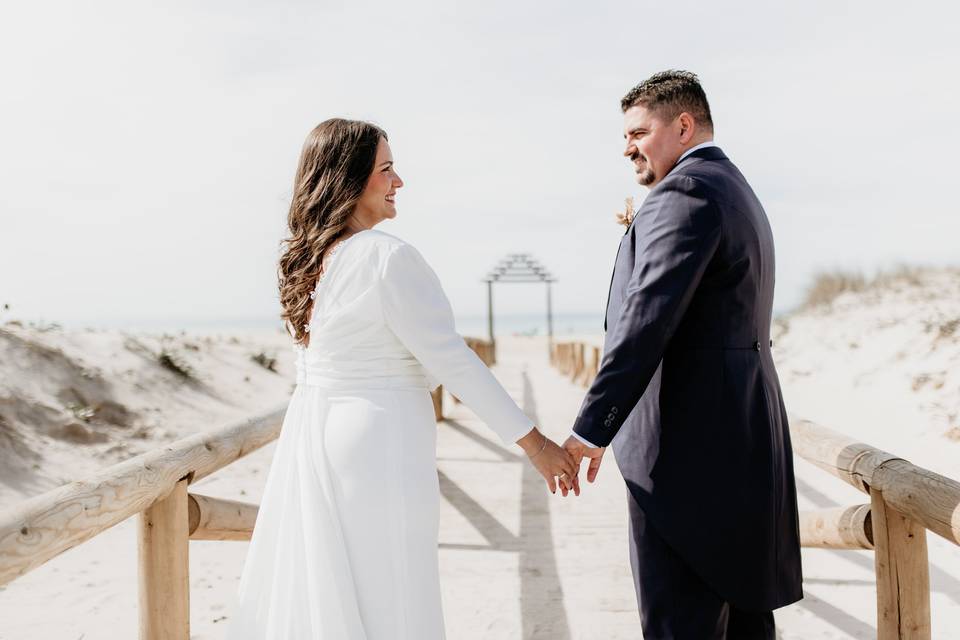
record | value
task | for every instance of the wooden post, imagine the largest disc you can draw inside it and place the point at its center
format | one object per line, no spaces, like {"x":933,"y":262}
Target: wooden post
{"x":163,"y":546}
{"x":437,"y":396}
{"x":903,"y":573}
{"x":577,"y":361}
{"x":549,"y":316}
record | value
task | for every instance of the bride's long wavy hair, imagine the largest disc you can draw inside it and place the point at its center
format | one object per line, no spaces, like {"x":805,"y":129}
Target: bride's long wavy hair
{"x":335,"y":164}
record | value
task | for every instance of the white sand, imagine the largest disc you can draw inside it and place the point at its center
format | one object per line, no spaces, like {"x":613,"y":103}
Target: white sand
{"x":75,"y":401}
{"x":515,"y":560}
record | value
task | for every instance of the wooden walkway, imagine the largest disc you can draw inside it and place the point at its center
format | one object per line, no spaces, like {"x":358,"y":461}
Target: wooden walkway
{"x":515,"y":560}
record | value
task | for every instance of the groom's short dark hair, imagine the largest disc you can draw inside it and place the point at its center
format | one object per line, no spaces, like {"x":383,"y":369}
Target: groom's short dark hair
{"x":670,"y":93}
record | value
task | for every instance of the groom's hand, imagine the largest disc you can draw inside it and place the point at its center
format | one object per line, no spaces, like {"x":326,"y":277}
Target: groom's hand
{"x":579,"y":451}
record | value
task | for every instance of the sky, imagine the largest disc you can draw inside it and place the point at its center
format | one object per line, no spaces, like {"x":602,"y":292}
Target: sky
{"x":147,"y":150}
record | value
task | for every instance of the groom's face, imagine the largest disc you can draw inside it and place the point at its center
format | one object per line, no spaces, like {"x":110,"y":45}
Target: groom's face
{"x":653,"y":144}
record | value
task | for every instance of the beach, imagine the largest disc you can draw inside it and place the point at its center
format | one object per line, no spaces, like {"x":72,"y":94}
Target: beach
{"x":880,"y":364}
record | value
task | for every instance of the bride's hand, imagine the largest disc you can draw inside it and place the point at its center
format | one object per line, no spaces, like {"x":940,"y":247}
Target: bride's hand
{"x":552,"y":461}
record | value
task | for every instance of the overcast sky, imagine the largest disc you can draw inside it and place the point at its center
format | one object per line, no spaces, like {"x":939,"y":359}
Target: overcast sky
{"x":147,"y":150}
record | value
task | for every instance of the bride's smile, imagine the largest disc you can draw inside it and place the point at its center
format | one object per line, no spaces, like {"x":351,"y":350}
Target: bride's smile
{"x":378,"y":200}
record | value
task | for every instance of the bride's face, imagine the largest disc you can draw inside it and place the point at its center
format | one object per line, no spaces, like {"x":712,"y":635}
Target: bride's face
{"x":377,"y":200}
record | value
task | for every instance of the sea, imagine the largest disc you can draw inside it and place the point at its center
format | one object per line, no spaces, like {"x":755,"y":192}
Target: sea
{"x":505,"y":324}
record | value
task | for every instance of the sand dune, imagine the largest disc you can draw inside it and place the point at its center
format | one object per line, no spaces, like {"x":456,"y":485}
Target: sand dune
{"x":73,"y":401}
{"x":882,"y":363}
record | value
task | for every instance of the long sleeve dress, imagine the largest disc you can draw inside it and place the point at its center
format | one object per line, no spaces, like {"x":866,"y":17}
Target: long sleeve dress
{"x":345,"y":543}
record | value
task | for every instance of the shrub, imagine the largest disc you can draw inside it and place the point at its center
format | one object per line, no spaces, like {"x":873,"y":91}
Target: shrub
{"x":827,"y":287}
{"x":265,"y":361}
{"x":173,"y":362}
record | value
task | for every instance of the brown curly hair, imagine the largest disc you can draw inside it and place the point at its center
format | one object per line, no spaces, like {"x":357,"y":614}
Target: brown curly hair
{"x":335,"y":164}
{"x":670,"y":93}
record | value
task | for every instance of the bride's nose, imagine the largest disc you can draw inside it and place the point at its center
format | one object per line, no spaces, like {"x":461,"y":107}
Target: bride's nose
{"x":397,"y":182}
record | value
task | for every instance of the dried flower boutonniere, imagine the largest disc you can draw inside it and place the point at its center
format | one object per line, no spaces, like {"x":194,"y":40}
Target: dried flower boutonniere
{"x":625,"y":217}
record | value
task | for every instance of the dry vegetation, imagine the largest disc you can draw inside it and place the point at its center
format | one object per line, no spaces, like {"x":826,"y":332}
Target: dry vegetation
{"x":827,"y":286}
{"x":267,"y":362}
{"x":895,"y":332}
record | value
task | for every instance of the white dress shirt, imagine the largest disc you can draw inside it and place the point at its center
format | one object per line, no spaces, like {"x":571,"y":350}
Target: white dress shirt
{"x":702,"y":145}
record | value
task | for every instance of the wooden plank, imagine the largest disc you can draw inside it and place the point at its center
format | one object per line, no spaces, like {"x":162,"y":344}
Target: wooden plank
{"x":839,"y":528}
{"x":903,"y":573}
{"x":163,"y":546}
{"x":219,"y":519}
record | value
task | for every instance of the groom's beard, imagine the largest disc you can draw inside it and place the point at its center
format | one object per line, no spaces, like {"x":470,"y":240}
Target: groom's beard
{"x":645,"y":175}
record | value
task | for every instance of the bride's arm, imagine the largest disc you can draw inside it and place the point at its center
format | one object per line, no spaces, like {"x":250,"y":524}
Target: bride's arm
{"x":418,"y":312}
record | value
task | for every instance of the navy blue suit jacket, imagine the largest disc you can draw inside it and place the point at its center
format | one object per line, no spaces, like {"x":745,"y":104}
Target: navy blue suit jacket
{"x":687,"y":391}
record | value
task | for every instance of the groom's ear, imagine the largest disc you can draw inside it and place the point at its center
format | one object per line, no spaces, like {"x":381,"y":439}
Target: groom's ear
{"x":687,"y":127}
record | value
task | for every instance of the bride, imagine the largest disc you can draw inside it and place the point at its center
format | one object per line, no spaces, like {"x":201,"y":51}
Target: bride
{"x":345,"y":542}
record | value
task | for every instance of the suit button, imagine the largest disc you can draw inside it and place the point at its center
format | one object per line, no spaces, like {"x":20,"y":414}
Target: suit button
{"x":756,"y":345}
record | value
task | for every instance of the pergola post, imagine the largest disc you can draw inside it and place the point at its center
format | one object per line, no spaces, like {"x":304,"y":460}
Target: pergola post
{"x":493,"y":340}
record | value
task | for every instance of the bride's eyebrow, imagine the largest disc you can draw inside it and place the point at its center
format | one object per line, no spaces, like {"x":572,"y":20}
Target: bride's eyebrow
{"x":388,"y":163}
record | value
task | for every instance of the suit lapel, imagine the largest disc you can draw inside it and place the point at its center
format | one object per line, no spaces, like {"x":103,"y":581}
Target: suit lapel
{"x":616,"y":261}
{"x":707,"y":153}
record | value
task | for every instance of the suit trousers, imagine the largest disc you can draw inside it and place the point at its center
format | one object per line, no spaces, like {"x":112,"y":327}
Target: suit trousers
{"x":675,"y":603}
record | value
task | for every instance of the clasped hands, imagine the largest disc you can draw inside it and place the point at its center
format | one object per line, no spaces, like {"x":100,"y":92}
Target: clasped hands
{"x":560,"y":466}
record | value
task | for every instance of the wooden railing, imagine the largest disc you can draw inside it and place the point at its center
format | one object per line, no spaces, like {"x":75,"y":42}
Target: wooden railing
{"x":154,"y":487}
{"x":904,"y":502}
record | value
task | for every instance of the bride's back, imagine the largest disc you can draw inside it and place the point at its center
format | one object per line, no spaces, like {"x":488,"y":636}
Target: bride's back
{"x":350,"y":344}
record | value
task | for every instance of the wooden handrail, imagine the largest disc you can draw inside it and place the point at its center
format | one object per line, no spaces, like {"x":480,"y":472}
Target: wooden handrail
{"x":922,"y":495}
{"x":42,"y":527}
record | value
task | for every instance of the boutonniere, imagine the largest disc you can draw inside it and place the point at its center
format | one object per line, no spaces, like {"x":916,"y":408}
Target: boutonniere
{"x":625,"y":217}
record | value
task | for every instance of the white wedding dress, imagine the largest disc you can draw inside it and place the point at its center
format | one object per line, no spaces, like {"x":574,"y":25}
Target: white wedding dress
{"x":345,"y":543}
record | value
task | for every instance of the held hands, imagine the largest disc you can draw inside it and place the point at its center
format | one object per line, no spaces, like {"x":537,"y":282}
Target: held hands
{"x":551,"y":461}
{"x":579,"y":451}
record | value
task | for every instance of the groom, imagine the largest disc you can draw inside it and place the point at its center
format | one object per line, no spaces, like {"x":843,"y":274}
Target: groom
{"x":687,"y":392}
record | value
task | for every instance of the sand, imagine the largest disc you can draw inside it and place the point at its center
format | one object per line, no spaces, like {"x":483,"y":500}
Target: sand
{"x":882,"y":365}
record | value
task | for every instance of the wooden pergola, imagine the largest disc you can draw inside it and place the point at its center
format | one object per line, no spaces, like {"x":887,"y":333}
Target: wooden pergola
{"x":522,"y":268}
